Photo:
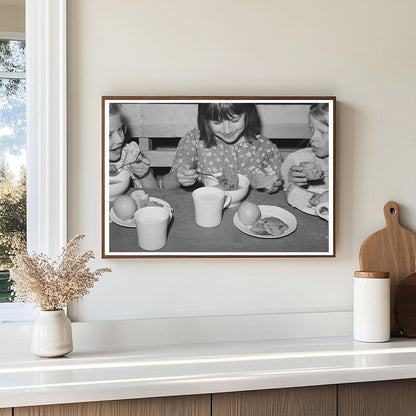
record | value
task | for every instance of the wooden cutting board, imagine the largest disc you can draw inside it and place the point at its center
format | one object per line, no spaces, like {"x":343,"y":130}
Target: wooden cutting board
{"x":393,"y":250}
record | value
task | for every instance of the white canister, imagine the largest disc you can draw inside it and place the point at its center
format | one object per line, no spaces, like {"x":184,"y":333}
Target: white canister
{"x":371,"y":309}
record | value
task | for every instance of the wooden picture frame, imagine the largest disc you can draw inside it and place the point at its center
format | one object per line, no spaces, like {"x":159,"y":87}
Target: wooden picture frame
{"x":169,"y":130}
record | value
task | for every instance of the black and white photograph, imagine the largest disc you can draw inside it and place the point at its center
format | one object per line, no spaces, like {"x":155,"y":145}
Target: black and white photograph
{"x":218,"y":176}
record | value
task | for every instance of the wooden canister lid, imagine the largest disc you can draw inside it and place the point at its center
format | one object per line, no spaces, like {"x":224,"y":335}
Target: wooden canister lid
{"x":372,"y":275}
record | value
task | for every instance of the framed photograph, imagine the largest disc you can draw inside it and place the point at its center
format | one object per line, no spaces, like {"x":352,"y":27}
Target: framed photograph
{"x":218,"y":176}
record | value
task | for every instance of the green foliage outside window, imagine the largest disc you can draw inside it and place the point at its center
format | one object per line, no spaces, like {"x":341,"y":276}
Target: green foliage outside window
{"x":12,"y":144}
{"x":6,"y":294}
{"x":12,"y":224}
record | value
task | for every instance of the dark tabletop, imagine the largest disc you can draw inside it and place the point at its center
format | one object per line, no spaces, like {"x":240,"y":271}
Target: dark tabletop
{"x":186,"y":237}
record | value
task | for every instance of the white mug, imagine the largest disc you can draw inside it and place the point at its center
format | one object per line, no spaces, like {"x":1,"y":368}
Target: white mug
{"x":152,"y":225}
{"x":209,"y":203}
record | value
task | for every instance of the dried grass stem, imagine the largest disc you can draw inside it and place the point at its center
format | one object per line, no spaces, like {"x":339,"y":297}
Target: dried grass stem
{"x":53,"y":285}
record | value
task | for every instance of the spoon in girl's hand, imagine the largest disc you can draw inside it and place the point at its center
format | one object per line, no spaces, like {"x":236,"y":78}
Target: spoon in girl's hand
{"x":139,"y":158}
{"x":209,"y":174}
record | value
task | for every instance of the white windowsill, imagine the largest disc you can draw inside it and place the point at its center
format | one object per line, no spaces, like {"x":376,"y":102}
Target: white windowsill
{"x":16,"y":313}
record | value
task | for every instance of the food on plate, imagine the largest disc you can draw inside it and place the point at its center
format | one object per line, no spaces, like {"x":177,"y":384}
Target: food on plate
{"x":258,"y":228}
{"x":274,"y":226}
{"x":141,"y":198}
{"x":315,"y":199}
{"x":155,"y":204}
{"x":248,"y":213}
{"x":228,"y":180}
{"x":124,"y":207}
{"x":269,"y":226}
{"x":323,"y":210}
{"x":304,"y":199}
{"x":299,"y":197}
{"x":324,"y":197}
{"x":313,"y":171}
{"x":226,"y":184}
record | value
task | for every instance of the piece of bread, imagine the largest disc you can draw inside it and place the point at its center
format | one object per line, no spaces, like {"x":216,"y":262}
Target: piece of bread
{"x":140,"y":197}
{"x":300,"y":198}
{"x":132,"y":152}
{"x":324,"y":197}
{"x":322,"y":209}
{"x":258,"y":228}
{"x":315,"y":199}
{"x":274,"y":226}
{"x":269,"y":226}
{"x":313,"y":171}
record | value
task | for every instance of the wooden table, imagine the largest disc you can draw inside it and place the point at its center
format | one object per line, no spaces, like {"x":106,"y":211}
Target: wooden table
{"x":185,"y":236}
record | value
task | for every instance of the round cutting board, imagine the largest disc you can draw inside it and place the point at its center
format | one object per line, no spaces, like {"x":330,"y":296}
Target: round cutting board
{"x":405,"y":305}
{"x":393,"y":250}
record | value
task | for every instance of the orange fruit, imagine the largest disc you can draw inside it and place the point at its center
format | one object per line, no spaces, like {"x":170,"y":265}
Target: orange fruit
{"x":248,"y":213}
{"x":124,"y":207}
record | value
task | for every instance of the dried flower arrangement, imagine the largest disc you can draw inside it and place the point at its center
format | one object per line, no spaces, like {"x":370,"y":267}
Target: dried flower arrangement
{"x":53,"y":285}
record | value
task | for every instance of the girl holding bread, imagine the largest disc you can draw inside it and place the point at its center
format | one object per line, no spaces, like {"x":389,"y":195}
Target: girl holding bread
{"x":308,"y":167}
{"x":127,"y":156}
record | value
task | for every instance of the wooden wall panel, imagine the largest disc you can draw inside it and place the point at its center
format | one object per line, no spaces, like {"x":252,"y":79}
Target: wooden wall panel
{"x":381,"y":398}
{"x":5,"y":412}
{"x":175,"y":120}
{"x":301,"y":401}
{"x":163,"y":406}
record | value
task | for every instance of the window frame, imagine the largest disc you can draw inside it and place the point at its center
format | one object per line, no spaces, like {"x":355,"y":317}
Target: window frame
{"x":46,"y":123}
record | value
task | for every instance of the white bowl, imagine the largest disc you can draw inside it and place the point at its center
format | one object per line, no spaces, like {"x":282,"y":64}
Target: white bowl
{"x":119,"y":184}
{"x":238,"y":194}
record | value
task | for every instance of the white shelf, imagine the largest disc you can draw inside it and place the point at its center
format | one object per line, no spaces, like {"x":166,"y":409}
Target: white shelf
{"x":111,"y":372}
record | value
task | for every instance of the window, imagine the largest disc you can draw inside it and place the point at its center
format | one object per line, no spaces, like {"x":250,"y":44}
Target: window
{"x":46,"y":135}
{"x":13,"y":153}
{"x":12,"y":165}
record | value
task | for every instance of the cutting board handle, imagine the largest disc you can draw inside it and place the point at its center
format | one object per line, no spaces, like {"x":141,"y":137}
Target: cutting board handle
{"x":391,"y":214}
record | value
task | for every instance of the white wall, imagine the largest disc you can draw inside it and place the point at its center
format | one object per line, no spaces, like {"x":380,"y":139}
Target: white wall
{"x":12,"y":18}
{"x":363,"y":52}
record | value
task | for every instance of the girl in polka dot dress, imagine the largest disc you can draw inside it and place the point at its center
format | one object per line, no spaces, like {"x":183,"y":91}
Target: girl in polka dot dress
{"x":227,"y":139}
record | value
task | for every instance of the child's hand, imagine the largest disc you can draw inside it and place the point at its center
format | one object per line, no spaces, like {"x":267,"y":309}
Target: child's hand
{"x":270,"y":183}
{"x":274,"y":186}
{"x":141,"y":168}
{"x":186,"y":176}
{"x":297,"y":176}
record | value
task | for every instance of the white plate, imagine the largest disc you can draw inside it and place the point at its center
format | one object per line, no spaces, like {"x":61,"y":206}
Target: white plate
{"x":131,"y":223}
{"x":310,"y":209}
{"x":269,"y":211}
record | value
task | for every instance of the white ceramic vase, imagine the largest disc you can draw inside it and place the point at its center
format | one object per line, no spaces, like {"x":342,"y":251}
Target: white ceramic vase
{"x":52,"y":334}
